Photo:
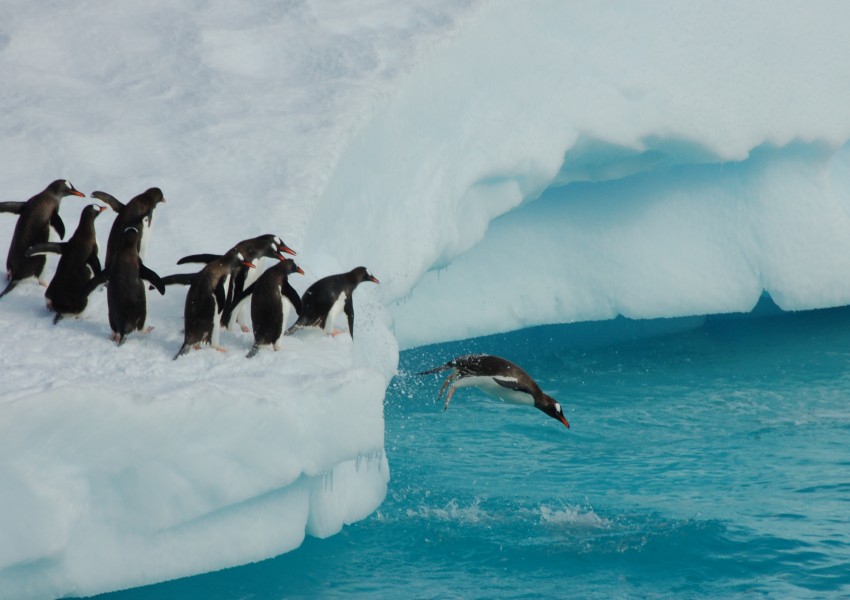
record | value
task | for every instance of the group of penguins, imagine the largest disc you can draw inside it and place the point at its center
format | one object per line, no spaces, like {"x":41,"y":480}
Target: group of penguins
{"x":216,"y":293}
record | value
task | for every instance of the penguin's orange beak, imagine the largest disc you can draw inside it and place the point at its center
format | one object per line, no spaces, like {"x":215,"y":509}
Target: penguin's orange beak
{"x":563,"y":420}
{"x":373,"y":280}
{"x":102,"y":208}
{"x":80,"y":194}
{"x":299,"y":270}
{"x":287,"y":250}
{"x":248,"y":264}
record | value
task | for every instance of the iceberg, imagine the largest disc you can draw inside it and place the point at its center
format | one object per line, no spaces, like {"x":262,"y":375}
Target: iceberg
{"x":496,"y":165}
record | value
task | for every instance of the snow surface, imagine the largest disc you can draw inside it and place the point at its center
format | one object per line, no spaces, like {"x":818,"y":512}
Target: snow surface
{"x":495,"y":164}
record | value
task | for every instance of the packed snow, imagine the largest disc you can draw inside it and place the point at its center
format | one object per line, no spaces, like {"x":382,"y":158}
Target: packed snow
{"x":494,"y":164}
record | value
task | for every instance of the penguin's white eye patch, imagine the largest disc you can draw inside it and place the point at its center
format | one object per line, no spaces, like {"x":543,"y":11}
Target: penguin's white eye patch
{"x":68,"y":185}
{"x":239,"y":254}
{"x":558,"y":407}
{"x":278,"y":241}
{"x":273,"y":247}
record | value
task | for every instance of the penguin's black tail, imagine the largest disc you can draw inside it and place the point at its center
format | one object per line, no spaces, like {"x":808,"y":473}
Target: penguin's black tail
{"x":58,"y":317}
{"x":292,"y":329}
{"x":184,"y":349}
{"x":253,"y":351}
{"x":9,"y":287}
{"x":444,"y":367}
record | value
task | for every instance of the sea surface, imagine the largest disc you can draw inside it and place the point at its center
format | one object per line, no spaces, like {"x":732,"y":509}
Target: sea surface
{"x":708,"y":458}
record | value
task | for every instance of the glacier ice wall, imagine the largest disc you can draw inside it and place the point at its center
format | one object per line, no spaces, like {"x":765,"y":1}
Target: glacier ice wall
{"x":569,"y":163}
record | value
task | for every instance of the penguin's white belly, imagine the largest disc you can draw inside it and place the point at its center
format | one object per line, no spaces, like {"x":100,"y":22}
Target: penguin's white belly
{"x":144,"y":236}
{"x":286,"y":309}
{"x":242,"y":312}
{"x":216,"y":324}
{"x":488,"y":385}
{"x":334,"y":312}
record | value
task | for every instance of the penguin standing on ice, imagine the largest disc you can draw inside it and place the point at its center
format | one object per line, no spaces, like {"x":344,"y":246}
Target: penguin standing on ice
{"x":496,"y":377}
{"x":254,"y":250}
{"x":272,"y":299}
{"x":125,"y":291}
{"x":138,"y":213}
{"x":205,"y":301}
{"x":78,"y":264}
{"x":323,"y":301}
{"x":37,"y":216}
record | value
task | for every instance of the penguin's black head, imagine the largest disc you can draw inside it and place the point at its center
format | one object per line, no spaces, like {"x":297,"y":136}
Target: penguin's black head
{"x":240,"y":258}
{"x":94,"y":210}
{"x":63,"y":187}
{"x":154,"y":195}
{"x":361,"y":274}
{"x":288,"y":265}
{"x":551,"y":407}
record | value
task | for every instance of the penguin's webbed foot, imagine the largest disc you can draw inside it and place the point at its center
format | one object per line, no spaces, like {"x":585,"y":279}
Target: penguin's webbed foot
{"x":245,"y":328}
{"x":449,"y":398}
{"x":147,"y":330}
{"x":336,"y":332}
{"x":42,"y":283}
{"x":220,"y":348}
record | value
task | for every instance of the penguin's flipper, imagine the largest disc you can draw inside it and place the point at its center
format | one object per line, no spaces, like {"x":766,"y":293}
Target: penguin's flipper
{"x":152,"y":278}
{"x":9,"y":287}
{"x":253,"y":351}
{"x":108,"y":199}
{"x":288,"y":292}
{"x":95,"y":281}
{"x":513,"y":384}
{"x":234,"y":305}
{"x":45,"y":248}
{"x":57,"y":224}
{"x":348,"y":308}
{"x":12,"y":207}
{"x":198,"y":258}
{"x":179,"y":279}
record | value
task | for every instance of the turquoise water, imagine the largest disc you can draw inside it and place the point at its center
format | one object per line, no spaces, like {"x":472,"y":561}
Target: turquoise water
{"x":706,"y":459}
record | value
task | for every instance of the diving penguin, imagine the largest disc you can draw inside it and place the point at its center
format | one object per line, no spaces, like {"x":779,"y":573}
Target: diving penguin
{"x":78,"y":263}
{"x":205,"y":301}
{"x":125,"y":291}
{"x":496,"y":377}
{"x":323,"y":301}
{"x":37,"y":216}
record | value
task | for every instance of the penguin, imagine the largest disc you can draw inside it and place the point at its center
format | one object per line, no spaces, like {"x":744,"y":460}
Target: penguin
{"x":37,"y":216}
{"x":78,"y":263}
{"x":125,"y":292}
{"x":272,"y":299}
{"x":254,"y":250}
{"x":323,"y":301}
{"x":205,"y":301}
{"x":496,"y":377}
{"x":138,"y":211}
